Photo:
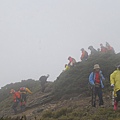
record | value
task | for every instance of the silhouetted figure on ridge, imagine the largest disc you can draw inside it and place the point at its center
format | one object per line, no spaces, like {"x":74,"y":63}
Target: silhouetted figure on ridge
{"x":93,"y":51}
{"x":43,"y":81}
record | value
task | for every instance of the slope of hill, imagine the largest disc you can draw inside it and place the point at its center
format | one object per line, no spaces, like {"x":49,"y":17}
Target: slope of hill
{"x":75,"y":80}
{"x":68,"y":97}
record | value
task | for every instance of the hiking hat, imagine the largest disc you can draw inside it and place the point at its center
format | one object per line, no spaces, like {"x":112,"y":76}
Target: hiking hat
{"x":96,"y":66}
{"x":12,"y":91}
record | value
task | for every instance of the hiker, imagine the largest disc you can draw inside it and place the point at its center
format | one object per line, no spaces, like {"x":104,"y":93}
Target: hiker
{"x":16,"y":100}
{"x":66,"y":67}
{"x":23,"y":92}
{"x":43,"y":81}
{"x":72,"y":61}
{"x":93,"y":51}
{"x":84,"y":55}
{"x":103,"y":48}
{"x":115,"y":83}
{"x":95,"y":79}
{"x":109,"y":48}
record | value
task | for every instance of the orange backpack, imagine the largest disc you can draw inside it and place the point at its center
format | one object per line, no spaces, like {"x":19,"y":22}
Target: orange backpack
{"x":17,"y":95}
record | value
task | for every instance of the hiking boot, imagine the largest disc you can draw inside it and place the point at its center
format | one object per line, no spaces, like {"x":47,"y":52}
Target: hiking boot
{"x":115,"y":105}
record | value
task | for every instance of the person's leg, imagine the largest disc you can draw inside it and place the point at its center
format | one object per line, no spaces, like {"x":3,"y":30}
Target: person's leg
{"x":24,"y":102}
{"x":118,"y":96}
{"x":21,"y":101}
{"x":100,"y":96}
{"x":117,"y":99}
{"x":14,"y":107}
{"x":115,"y":104}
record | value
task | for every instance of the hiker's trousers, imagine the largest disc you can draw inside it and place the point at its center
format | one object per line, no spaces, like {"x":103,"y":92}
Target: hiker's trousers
{"x":118,"y":96}
{"x":98,"y":91}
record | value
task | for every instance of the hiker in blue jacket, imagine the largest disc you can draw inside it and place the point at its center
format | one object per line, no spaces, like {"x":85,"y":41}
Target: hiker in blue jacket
{"x":95,"y":79}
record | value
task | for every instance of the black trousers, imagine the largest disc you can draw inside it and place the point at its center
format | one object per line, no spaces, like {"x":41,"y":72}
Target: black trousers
{"x":23,"y":97}
{"x":14,"y":106}
{"x":98,"y":92}
{"x":118,"y":96}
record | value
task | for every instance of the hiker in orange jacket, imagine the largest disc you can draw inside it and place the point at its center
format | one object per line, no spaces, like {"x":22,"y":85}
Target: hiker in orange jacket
{"x":16,"y":99}
{"x":23,"y":92}
{"x":84,"y":55}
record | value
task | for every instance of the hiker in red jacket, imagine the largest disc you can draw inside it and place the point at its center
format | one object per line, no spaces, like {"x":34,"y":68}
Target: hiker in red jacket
{"x":103,"y":49}
{"x":84,"y":55}
{"x":96,"y":80}
{"x":16,"y":99}
{"x":109,"y":48}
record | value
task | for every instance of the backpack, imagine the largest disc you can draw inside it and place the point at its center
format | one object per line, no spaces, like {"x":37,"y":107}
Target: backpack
{"x":17,"y":95}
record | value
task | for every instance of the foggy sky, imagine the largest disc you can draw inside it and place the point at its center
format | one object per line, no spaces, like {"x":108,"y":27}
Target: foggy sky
{"x":37,"y":36}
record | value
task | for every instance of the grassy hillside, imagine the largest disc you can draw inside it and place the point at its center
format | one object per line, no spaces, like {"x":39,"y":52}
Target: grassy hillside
{"x":75,"y":80}
{"x":70,"y":93}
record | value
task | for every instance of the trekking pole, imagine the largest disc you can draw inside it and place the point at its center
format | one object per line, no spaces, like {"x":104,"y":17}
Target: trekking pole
{"x":93,"y":97}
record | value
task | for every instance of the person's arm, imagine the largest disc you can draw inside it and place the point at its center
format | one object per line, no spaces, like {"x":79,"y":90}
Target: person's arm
{"x":28,"y":91}
{"x":91,"y":79}
{"x":112,"y":78}
{"x":101,"y":75}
